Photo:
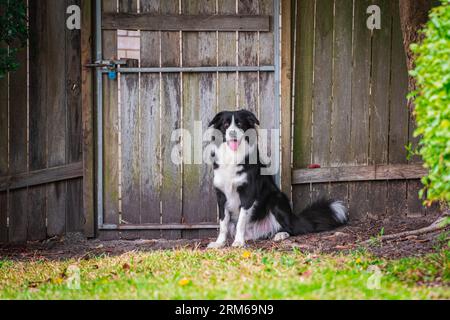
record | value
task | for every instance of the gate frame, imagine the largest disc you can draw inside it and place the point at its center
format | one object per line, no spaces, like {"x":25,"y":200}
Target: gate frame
{"x":92,"y":111}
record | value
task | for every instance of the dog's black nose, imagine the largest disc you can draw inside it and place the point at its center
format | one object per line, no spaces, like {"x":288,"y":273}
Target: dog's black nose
{"x":233,"y":133}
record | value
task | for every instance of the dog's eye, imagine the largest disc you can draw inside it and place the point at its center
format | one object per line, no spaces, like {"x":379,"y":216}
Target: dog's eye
{"x":238,"y":123}
{"x":226,"y":125}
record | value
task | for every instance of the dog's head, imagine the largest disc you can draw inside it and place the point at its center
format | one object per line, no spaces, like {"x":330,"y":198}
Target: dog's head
{"x":234,"y":126}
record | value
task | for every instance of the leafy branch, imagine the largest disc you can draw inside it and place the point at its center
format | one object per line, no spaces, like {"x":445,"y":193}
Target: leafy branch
{"x":13,"y":33}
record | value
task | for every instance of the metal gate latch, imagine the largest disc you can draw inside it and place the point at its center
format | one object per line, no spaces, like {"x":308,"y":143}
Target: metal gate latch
{"x":109,"y":65}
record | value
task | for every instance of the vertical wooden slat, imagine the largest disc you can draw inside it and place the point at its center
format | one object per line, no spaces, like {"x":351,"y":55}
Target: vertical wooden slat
{"x":379,"y":111}
{"x":360,"y":107}
{"x":130,"y":167}
{"x":303,"y":96}
{"x":38,"y":104}
{"x":18,"y":218}
{"x":4,"y":97}
{"x":398,"y":117}
{"x":287,"y":8}
{"x":322,"y":91}
{"x":56,"y":114}
{"x":74,"y":206}
{"x":170,"y":120}
{"x":87,"y":101}
{"x":226,"y":88}
{"x":150,"y":123}
{"x":267,"y":106}
{"x":110,"y":128}
{"x":199,"y":104}
{"x":248,"y":56}
{"x":342,"y":93}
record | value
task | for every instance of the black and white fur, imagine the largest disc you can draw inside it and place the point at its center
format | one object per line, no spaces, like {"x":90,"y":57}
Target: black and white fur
{"x":251,"y":206}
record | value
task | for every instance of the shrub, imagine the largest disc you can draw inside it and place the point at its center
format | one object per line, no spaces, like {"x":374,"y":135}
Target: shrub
{"x":432,"y":102}
{"x":13,"y":33}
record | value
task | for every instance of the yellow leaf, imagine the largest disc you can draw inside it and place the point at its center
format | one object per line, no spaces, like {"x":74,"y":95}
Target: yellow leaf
{"x":184,"y":282}
{"x":246,"y":254}
{"x":358,"y":261}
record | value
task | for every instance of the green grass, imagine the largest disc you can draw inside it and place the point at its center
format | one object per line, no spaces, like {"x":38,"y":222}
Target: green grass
{"x":230,"y":274}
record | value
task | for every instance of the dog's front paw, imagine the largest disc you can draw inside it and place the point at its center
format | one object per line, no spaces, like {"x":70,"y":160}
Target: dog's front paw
{"x":280,"y":236}
{"x":216,"y":245}
{"x":238,"y":244}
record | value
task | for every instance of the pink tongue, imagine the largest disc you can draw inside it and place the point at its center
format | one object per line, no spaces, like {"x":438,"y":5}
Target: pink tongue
{"x":233,"y":145}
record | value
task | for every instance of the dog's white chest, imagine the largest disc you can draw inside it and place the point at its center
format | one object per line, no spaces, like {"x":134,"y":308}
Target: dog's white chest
{"x":227,"y":179}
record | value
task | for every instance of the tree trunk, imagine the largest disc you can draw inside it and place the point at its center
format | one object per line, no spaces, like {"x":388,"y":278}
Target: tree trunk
{"x":413,"y":16}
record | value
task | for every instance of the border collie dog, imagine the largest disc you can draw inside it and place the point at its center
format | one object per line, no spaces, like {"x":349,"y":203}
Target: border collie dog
{"x":251,"y":206}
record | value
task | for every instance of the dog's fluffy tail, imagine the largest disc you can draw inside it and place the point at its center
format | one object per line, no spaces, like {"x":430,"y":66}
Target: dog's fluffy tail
{"x":322,"y":215}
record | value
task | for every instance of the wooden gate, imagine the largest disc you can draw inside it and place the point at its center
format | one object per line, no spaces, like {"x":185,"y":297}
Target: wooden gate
{"x":351,"y":116}
{"x":194,"y":58}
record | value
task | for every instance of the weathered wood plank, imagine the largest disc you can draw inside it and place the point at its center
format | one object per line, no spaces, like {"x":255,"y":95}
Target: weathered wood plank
{"x":18,"y":218}
{"x":322,"y":91}
{"x":322,"y":83}
{"x":342,"y":86}
{"x":287,"y":28}
{"x":38,"y":104}
{"x":359,"y":173}
{"x":304,"y":84}
{"x":3,"y":217}
{"x":359,"y":138}
{"x":226,"y":87}
{"x":185,"y":22}
{"x":266,"y":39}
{"x":301,"y":197}
{"x":74,"y":205}
{"x":149,"y":105}
{"x":171,"y":205}
{"x":379,"y":111}
{"x":397,"y":192}
{"x":414,"y":203}
{"x":199,"y":104}
{"x":360,"y":85}
{"x":44,"y":176}
{"x":398,"y":117}
{"x":358,"y":203}
{"x":266,"y":90}
{"x":248,"y":56}
{"x":168,"y":226}
{"x":398,"y":114}
{"x":56,"y":113}
{"x":110,"y":127}
{"x":381,"y":64}
{"x":4,"y":167}
{"x":304,"y":52}
{"x":130,"y":146}
{"x":87,"y":102}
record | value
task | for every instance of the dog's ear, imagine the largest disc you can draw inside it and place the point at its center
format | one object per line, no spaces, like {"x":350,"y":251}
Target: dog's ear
{"x":217,"y":120}
{"x":250,"y":117}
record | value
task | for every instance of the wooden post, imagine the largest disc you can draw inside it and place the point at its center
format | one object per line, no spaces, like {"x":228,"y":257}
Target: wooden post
{"x":87,"y":96}
{"x":286,"y":80}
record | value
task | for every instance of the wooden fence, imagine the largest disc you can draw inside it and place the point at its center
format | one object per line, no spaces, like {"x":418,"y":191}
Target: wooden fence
{"x":41,"y":138}
{"x":350,"y":112}
{"x":145,"y":193}
{"x":349,"y":116}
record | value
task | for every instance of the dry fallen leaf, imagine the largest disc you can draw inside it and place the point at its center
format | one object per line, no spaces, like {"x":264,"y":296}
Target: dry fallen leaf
{"x":184,"y":282}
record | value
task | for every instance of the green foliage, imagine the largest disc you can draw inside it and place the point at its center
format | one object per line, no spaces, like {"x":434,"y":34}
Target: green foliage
{"x":13,"y":33}
{"x":432,"y":102}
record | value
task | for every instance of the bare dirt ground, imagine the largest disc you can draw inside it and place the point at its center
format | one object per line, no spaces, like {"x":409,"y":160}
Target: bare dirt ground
{"x":346,"y":238}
